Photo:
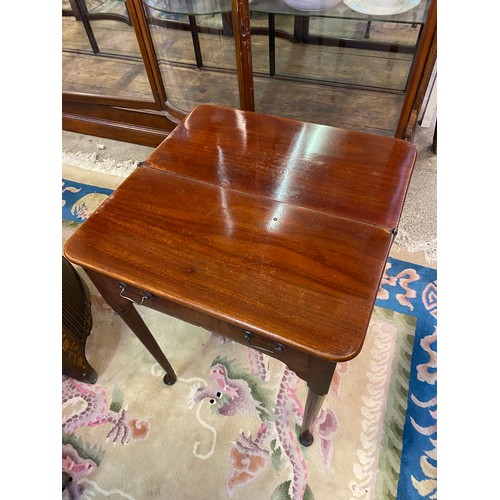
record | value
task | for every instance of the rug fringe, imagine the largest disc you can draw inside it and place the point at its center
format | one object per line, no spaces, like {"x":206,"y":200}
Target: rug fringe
{"x":91,"y":161}
{"x":428,"y":248}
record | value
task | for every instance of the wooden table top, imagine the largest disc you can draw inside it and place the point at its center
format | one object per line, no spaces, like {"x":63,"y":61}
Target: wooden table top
{"x":273,"y":225}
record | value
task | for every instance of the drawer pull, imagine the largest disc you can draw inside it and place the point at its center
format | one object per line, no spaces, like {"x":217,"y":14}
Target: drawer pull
{"x":277,"y":346}
{"x":145,"y":295}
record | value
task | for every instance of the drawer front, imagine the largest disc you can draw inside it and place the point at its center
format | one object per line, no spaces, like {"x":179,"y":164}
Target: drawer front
{"x":295,"y":359}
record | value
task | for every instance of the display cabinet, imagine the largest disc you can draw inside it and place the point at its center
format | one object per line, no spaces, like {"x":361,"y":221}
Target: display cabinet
{"x":133,"y":68}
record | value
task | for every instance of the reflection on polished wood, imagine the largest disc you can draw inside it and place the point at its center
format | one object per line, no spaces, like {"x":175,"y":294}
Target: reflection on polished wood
{"x":272,"y":232}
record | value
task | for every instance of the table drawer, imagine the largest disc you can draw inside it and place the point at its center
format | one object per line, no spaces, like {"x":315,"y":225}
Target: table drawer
{"x":295,"y":359}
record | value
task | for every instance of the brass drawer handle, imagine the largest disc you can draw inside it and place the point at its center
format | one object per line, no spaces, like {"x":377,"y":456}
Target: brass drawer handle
{"x":145,"y":295}
{"x":277,"y":346}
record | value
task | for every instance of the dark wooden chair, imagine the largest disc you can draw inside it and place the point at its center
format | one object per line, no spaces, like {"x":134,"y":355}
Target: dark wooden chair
{"x":76,"y":325}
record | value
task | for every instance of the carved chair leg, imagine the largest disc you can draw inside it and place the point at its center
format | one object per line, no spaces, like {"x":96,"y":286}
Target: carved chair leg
{"x":126,"y":310}
{"x":319,"y":380}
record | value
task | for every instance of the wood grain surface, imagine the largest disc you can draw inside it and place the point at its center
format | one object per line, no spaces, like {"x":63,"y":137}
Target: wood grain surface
{"x":351,"y":174}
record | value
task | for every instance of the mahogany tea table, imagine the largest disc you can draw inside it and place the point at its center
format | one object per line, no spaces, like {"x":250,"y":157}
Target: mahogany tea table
{"x":269,"y":231}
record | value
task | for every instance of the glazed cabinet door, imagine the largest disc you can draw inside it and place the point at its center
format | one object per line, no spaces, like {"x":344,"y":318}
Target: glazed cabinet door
{"x":101,"y":54}
{"x":345,"y":63}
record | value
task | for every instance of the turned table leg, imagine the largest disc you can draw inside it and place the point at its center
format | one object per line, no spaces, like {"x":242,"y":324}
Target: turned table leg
{"x":318,"y":383}
{"x":126,"y":310}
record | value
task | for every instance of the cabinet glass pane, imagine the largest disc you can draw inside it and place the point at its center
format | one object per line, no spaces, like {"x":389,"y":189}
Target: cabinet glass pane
{"x":101,"y":54}
{"x":74,"y":37}
{"x":334,"y":66}
{"x":381,"y":61}
{"x":195,"y":50}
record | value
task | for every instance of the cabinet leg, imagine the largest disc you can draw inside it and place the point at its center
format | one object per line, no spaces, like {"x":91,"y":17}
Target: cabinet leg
{"x":126,"y":310}
{"x":319,"y":380}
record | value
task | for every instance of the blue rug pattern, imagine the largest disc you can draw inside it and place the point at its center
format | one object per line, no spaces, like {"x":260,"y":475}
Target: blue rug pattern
{"x":412,"y":289}
{"x":80,"y":200}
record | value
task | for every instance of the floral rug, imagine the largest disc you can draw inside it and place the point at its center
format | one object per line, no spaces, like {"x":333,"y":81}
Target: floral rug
{"x":228,"y":427}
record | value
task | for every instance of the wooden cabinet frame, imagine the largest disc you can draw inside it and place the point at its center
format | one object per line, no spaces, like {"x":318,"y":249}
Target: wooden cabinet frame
{"x":149,"y":122}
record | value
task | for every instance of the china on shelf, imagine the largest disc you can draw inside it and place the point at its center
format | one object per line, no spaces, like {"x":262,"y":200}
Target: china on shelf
{"x":312,"y":5}
{"x":381,"y":7}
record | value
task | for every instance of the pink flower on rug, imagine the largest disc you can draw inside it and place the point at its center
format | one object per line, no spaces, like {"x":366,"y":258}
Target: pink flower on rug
{"x":87,"y":205}
{"x":71,"y":189}
{"x":325,"y":427}
{"x":138,"y":428}
{"x":429,"y":298}
{"x":383,"y":294}
{"x":76,"y":466}
{"x":338,"y":375}
{"x":427,"y":372}
{"x":404,"y":278}
{"x":247,"y":460}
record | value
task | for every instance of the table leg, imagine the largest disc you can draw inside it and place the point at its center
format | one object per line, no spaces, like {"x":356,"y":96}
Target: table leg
{"x":313,"y":405}
{"x":126,"y":310}
{"x":318,"y":383}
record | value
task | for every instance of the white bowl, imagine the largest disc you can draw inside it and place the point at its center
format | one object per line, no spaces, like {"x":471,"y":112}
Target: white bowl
{"x":381,"y":7}
{"x":313,"y":5}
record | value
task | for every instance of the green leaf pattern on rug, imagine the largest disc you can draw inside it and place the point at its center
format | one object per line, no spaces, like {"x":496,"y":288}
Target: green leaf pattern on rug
{"x":282,"y":492}
{"x":116,"y":400}
{"x":391,"y":443}
{"x":275,"y":455}
{"x":84,"y":450}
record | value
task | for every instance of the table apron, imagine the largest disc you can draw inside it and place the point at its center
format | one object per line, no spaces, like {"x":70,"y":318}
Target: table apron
{"x":298,"y":361}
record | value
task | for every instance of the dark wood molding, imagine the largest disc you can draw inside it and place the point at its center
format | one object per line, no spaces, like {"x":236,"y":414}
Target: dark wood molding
{"x":107,"y":100}
{"x":242,"y":43}
{"x":112,"y":130}
{"x":147,"y":128}
{"x":421,"y":90}
{"x":174,"y":113}
{"x":419,"y":76}
{"x":143,"y":35}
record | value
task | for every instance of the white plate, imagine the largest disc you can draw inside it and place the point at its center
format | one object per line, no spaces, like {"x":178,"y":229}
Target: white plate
{"x":381,"y":7}
{"x":311,"y":5}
